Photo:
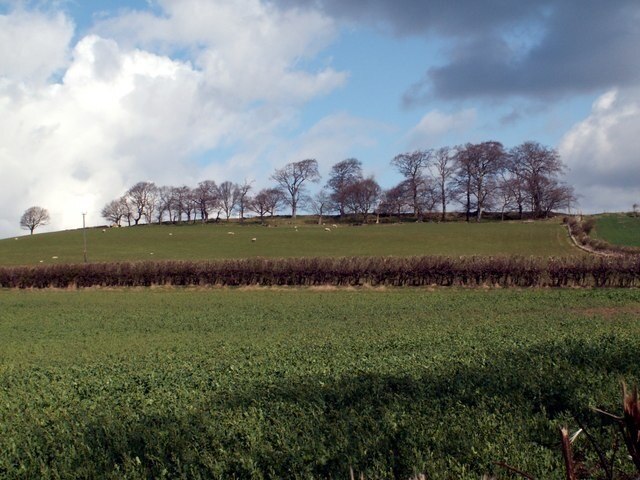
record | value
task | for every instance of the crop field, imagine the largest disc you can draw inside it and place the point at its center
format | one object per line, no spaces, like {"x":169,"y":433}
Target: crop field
{"x":205,"y":242}
{"x":618,"y":229}
{"x":302,"y":383}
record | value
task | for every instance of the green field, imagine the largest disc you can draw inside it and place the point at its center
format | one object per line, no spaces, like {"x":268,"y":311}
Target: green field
{"x":259,"y":383}
{"x":618,"y":229}
{"x":199,"y":242}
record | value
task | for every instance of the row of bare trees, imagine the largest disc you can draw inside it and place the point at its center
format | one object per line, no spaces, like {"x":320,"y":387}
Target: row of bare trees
{"x":480,"y":177}
{"x":149,"y":203}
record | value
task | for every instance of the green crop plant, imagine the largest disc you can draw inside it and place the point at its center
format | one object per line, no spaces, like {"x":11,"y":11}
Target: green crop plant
{"x":305,"y":383}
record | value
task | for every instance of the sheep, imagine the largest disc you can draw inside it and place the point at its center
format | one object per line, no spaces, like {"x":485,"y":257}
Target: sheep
{"x":327,"y":229}
{"x":334,"y":225}
{"x":170,"y":234}
{"x":104,"y":230}
{"x":55,"y":257}
{"x":230,"y":233}
{"x":254,"y":239}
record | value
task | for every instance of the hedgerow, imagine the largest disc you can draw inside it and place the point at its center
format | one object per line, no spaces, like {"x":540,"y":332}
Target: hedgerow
{"x":347,"y":271}
{"x":581,"y":229}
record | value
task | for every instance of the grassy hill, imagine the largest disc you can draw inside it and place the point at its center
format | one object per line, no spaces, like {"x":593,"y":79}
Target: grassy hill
{"x":211,"y":241}
{"x":618,"y":229}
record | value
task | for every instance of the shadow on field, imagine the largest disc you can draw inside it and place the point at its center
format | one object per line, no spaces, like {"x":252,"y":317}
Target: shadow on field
{"x":450,"y":423}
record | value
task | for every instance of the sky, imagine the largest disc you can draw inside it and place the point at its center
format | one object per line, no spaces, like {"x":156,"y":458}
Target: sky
{"x":96,"y":96}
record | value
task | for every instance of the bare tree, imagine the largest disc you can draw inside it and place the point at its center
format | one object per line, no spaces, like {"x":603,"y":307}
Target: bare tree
{"x":363,"y":196}
{"x":322,"y":204}
{"x":507,"y":195}
{"x":206,"y":198}
{"x":463,"y":180}
{"x":291,"y":179}
{"x":636,"y":209}
{"x":516,"y":182}
{"x":394,"y":200}
{"x":227,"y":195}
{"x":412,"y":166}
{"x":266,"y":202}
{"x":128,"y":209}
{"x":478,"y":166}
{"x":242,"y":198}
{"x":141,"y":197}
{"x":166,"y":202}
{"x":538,"y":166}
{"x":34,"y":217}
{"x":114,"y":211}
{"x":183,"y":203}
{"x":444,"y":168}
{"x":342,"y":175}
{"x":555,"y":196}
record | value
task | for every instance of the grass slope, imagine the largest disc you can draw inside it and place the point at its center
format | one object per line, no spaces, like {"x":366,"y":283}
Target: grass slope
{"x":197,"y":242}
{"x":216,"y":383}
{"x":618,"y":229}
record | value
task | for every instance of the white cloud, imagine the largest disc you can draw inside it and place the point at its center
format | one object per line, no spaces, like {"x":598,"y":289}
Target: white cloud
{"x":122,"y":112}
{"x":248,"y":49}
{"x":33,"y":46}
{"x":435,"y":129}
{"x":602,"y":153}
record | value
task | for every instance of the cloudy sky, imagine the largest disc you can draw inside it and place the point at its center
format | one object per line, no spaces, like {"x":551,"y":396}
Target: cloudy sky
{"x":95,"y":96}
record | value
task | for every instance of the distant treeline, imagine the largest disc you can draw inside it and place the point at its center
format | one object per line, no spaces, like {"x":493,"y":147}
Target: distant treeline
{"x":339,"y":272}
{"x":481,"y":177}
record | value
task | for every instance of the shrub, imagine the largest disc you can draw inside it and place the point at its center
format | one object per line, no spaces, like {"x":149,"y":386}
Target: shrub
{"x":351,"y":271}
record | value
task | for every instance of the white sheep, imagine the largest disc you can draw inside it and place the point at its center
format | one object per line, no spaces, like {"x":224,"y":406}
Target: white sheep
{"x":327,"y":229}
{"x":230,"y":233}
{"x":334,"y":225}
{"x":254,"y":239}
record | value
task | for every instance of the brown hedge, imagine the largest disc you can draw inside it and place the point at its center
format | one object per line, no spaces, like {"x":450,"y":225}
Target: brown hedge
{"x":350,"y":271}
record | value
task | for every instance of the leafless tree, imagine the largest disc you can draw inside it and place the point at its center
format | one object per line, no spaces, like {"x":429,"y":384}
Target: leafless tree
{"x":636,"y":209}
{"x":242,"y":198}
{"x":291,"y":180}
{"x":412,"y":166}
{"x":516,"y":181}
{"x":266,"y":202}
{"x":227,"y":195}
{"x":128,"y":208}
{"x":555,"y":196}
{"x":443,"y":166}
{"x":206,"y":198}
{"x":363,"y":196}
{"x":506,"y":195}
{"x":478,"y":166}
{"x":183,"y":203}
{"x":463,"y":180}
{"x":165,"y":203}
{"x":322,"y":204}
{"x":342,"y":175}
{"x":141,"y":198}
{"x":114,"y":211}
{"x":394,"y":200}
{"x":34,"y":217}
{"x":538,"y":166}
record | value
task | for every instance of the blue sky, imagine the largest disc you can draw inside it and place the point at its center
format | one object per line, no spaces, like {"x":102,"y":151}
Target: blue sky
{"x":95,"y":96}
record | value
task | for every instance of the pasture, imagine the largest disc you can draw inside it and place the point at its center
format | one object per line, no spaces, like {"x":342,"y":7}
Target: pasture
{"x":213,"y":241}
{"x":618,"y":229}
{"x":301,"y":383}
